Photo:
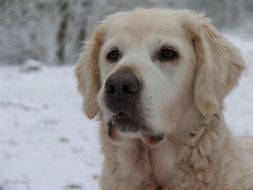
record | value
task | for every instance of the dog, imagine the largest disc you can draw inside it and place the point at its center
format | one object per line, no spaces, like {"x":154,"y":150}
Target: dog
{"x":156,"y":80}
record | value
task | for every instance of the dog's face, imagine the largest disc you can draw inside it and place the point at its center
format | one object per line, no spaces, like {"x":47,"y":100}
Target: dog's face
{"x":149,"y":70}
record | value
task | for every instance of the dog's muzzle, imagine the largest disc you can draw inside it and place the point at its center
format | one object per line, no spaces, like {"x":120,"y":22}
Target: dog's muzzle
{"x":121,"y":91}
{"x":122,"y":97}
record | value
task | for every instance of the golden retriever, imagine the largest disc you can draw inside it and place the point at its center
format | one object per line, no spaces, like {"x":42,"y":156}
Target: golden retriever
{"x":156,"y":79}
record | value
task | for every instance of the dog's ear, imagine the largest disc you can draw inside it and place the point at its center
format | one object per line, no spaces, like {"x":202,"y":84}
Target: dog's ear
{"x":219,"y":65}
{"x":87,"y":71}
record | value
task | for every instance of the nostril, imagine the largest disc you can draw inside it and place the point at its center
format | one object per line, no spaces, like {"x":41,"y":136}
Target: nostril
{"x":110,"y":88}
{"x":122,"y":84}
{"x":126,"y":89}
{"x":130,"y":88}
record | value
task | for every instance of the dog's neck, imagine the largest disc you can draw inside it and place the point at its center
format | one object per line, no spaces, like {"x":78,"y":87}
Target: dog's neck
{"x":211,"y":128}
{"x":193,"y":152}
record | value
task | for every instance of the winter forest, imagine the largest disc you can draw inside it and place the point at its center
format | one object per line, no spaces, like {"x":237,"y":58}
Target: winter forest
{"x":52,"y":31}
{"x":46,"y":142}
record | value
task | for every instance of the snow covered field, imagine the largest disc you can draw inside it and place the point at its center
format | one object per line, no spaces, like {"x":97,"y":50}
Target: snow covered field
{"x":46,"y":143}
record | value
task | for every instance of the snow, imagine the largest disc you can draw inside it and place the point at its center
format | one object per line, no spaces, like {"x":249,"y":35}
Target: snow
{"x":239,"y":104}
{"x":46,"y":142}
{"x":31,"y":65}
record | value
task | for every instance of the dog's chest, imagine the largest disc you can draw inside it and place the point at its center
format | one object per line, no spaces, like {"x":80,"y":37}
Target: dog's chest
{"x":142,"y":163}
{"x":162,"y":164}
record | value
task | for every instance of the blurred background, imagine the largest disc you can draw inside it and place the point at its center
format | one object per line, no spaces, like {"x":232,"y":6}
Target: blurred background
{"x":52,"y":31}
{"x":46,"y":142}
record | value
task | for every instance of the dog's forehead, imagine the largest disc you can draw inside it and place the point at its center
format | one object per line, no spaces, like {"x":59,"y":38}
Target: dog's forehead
{"x":141,"y":23}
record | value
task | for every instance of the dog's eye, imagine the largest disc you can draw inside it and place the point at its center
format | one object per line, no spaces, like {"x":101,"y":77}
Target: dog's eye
{"x":167,"y":54}
{"x":113,"y":56}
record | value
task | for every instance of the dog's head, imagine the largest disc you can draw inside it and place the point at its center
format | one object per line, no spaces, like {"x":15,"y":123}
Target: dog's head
{"x":150,"y":71}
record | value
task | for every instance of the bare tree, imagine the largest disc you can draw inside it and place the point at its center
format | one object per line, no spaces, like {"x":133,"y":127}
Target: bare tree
{"x":62,"y":30}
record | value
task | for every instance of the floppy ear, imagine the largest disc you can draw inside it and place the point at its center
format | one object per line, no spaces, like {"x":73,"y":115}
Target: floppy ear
{"x":219,"y":65}
{"x":87,"y":72}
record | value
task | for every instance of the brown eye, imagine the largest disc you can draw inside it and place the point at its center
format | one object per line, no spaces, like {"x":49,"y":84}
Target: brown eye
{"x":167,"y":54}
{"x":113,"y":56}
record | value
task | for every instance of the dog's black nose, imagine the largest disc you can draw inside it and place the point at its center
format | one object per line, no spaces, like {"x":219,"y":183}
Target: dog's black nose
{"x":121,"y":90}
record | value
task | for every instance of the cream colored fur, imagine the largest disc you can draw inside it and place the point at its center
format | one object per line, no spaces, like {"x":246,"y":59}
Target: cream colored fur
{"x":198,"y":151}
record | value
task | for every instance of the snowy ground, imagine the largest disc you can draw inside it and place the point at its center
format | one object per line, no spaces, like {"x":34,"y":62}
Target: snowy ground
{"x":46,"y":143}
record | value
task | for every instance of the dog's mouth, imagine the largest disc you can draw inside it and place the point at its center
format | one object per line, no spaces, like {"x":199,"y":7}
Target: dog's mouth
{"x":133,"y":126}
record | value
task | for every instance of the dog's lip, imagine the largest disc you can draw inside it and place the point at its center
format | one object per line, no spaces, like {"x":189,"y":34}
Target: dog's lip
{"x":153,"y":139}
{"x":121,"y":115}
{"x":122,"y":118}
{"x":147,"y":135}
{"x":124,"y":122}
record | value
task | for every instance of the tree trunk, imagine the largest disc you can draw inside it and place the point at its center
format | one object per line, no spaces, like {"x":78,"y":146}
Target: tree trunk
{"x":61,"y":34}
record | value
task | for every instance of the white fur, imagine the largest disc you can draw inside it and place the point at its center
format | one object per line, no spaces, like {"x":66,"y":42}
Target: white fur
{"x":183,"y":99}
{"x":163,"y":81}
